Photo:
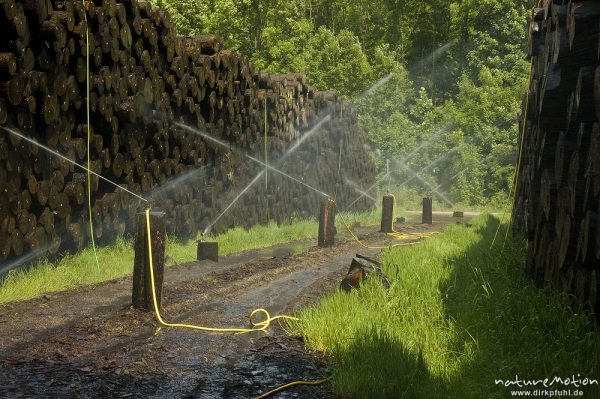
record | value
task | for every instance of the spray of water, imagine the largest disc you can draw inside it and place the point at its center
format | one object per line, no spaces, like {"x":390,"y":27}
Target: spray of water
{"x":436,"y":54}
{"x":237,"y":197}
{"x":305,"y":137}
{"x":51,"y":151}
{"x":357,"y":188}
{"x":179,"y":180}
{"x":258,"y":161}
{"x":425,"y":182}
{"x":464,"y":170}
{"x":424,"y":61}
{"x":415,"y":176}
{"x":365,"y":192}
{"x":24,"y":259}
{"x":429,"y":185}
{"x":432,"y":164}
{"x":424,"y":144}
{"x":443,"y":130}
{"x":289,"y":152}
{"x":206,"y":136}
{"x":288,"y":176}
{"x":376,"y":86}
{"x":454,"y":177}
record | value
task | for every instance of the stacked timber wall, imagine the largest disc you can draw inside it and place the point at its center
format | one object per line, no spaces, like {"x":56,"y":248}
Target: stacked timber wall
{"x":145,"y":81}
{"x":559,"y":181}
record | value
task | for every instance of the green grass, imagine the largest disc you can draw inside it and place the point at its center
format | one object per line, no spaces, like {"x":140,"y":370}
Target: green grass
{"x":71,"y":271}
{"x":409,"y":199}
{"x":239,"y":239}
{"x":458,"y":316}
{"x":371,"y":218}
{"x":116,"y":260}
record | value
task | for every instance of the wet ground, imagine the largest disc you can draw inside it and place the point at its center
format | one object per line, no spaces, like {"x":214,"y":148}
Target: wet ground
{"x":90,"y":342}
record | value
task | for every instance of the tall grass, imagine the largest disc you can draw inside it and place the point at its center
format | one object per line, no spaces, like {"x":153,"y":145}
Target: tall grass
{"x":457,"y":316}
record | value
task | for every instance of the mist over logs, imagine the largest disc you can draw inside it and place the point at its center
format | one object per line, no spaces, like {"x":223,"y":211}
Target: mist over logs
{"x":558,"y":188}
{"x":144,"y":79}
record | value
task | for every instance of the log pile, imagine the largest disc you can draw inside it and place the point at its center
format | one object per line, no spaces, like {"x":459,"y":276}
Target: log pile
{"x":558,"y":188}
{"x":145,"y":83}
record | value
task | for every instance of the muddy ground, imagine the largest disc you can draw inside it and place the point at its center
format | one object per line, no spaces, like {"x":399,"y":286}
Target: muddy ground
{"x":90,"y":342}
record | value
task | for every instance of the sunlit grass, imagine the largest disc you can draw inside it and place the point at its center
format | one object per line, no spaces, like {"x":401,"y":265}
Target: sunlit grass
{"x":71,"y":271}
{"x":355,"y":219}
{"x":458,"y":315}
{"x":116,"y":260}
{"x":239,"y":239}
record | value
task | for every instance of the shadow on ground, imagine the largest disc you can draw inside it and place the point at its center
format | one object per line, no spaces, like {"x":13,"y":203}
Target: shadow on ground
{"x":505,"y":327}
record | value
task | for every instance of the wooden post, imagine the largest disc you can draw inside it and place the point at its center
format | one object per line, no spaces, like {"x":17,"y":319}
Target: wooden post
{"x":142,"y":288}
{"x":427,"y":210}
{"x":208,"y":251}
{"x":387,"y":214}
{"x":327,"y":224}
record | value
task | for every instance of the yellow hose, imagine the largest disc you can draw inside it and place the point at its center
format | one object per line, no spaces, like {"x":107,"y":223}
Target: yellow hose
{"x":358,"y":240}
{"x":396,"y":235}
{"x":87,"y":106}
{"x":256,"y":326}
{"x":512,"y":195}
{"x":291,"y":384}
{"x":519,"y":162}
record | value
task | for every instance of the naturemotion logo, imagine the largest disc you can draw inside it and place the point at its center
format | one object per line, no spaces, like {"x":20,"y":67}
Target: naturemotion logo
{"x":548,"y":382}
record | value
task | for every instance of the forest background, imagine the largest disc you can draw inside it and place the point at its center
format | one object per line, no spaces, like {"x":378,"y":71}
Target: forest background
{"x":458,"y":73}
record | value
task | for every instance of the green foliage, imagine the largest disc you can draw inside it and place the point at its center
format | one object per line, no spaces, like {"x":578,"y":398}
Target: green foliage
{"x":445,"y":328}
{"x":337,"y":61}
{"x":457,"y":67}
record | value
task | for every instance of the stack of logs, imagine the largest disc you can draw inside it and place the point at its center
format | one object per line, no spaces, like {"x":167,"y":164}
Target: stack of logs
{"x":145,"y":83}
{"x":559,"y":180}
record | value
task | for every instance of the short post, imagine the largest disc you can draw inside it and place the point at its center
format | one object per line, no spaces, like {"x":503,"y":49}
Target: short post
{"x":427,"y":210}
{"x":208,"y":251}
{"x":142,"y":285}
{"x":387,"y":213}
{"x":327,"y":224}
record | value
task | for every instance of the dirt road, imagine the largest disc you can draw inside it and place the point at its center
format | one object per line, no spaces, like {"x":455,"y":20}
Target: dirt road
{"x":89,"y":342}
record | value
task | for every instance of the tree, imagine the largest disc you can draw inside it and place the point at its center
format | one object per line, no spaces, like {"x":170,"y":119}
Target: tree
{"x":337,"y":61}
{"x":443,"y":76}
